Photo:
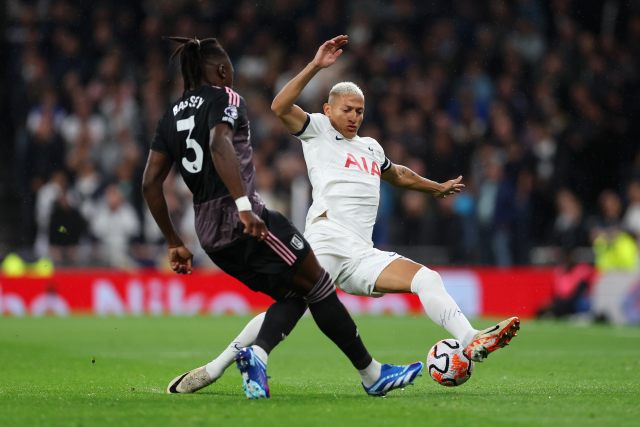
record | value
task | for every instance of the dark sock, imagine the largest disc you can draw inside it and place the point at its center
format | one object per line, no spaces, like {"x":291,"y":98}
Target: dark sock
{"x":328,"y":312}
{"x":334,"y":321}
{"x":279,"y":321}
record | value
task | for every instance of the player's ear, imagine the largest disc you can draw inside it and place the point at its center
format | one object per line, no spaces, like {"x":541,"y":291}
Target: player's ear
{"x":327,"y":109}
{"x":222,"y":71}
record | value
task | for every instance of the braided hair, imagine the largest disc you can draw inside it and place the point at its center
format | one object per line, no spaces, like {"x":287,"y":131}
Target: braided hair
{"x":193,"y":53}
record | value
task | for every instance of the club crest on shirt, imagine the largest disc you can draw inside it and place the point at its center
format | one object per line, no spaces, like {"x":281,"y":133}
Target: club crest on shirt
{"x":297,"y":242}
{"x":231,"y":111}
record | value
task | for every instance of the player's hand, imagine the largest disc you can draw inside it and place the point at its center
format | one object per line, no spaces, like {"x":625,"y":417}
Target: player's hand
{"x":181,"y":260}
{"x":253,"y":225}
{"x":329,"y":52}
{"x":450,"y":187}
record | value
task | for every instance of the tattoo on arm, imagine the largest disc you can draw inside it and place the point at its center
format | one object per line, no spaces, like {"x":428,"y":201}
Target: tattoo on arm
{"x":404,"y":170}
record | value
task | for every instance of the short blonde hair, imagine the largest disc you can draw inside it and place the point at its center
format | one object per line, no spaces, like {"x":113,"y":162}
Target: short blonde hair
{"x":345,"y":88}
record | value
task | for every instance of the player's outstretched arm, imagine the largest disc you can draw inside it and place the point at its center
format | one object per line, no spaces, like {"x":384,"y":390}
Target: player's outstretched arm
{"x":158,"y":167}
{"x":403,"y":177}
{"x":283,"y":104}
{"x":226,"y":164}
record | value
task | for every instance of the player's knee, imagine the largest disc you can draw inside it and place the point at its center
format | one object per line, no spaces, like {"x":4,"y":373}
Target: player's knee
{"x":301,"y":286}
{"x":323,"y":289}
{"x":426,"y":280}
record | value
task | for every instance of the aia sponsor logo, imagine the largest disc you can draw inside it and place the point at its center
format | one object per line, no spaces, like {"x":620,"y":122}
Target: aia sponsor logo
{"x":352,"y":161}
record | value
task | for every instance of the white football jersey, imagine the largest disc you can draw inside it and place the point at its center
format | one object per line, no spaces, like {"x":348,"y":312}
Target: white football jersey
{"x":345,"y":175}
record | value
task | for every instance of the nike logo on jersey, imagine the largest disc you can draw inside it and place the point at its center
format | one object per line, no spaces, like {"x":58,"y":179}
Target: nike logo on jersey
{"x":339,"y":139}
{"x":351,"y":161}
{"x":370,"y":149}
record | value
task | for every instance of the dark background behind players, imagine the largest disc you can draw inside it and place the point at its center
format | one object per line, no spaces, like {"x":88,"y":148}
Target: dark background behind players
{"x":533,"y":101}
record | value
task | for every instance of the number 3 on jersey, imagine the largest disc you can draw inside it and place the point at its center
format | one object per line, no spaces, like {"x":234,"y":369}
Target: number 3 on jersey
{"x":196,"y":165}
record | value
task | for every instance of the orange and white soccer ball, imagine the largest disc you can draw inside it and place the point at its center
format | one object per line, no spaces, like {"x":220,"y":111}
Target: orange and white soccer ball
{"x":447,"y":363}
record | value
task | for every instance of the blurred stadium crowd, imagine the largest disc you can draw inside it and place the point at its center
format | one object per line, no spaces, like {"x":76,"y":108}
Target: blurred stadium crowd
{"x":534,"y":102}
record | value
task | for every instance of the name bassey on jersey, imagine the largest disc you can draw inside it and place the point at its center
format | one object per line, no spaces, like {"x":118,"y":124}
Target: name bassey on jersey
{"x":345,"y":175}
{"x":193,"y":102}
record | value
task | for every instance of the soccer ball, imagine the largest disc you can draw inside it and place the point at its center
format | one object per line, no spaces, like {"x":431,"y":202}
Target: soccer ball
{"x":447,"y":363}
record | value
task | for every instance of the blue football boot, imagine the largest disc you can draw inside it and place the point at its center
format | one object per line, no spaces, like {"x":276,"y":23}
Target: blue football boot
{"x":254,"y":374}
{"x":392,"y":377}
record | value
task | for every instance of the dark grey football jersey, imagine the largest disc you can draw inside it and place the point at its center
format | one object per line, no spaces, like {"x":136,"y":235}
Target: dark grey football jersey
{"x":183,"y":135}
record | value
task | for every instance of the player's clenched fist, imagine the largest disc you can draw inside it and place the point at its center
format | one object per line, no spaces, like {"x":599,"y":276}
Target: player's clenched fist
{"x":329,"y":52}
{"x":253,"y":225}
{"x":181,"y":260}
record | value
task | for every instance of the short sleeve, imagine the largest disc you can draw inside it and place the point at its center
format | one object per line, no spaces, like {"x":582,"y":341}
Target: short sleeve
{"x":221,"y":111}
{"x":159,"y":143}
{"x":315,"y":125}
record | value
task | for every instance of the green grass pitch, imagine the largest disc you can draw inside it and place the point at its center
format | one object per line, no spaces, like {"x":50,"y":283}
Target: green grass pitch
{"x":552,"y":374}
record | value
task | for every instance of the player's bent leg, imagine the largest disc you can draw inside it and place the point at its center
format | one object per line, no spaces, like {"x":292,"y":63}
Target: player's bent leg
{"x":492,"y":339}
{"x":204,"y":376}
{"x":406,"y":276}
{"x":334,"y":321}
{"x":280,"y":319}
{"x":442,"y":309}
{"x":397,"y":277}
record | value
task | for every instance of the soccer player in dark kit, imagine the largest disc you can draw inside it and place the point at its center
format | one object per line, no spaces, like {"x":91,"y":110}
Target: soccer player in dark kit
{"x":206,"y":133}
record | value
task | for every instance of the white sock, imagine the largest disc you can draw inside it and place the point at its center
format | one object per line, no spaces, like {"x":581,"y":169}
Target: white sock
{"x":247,"y":337}
{"x":439,"y":305}
{"x":371,"y":373}
{"x":259,"y":351}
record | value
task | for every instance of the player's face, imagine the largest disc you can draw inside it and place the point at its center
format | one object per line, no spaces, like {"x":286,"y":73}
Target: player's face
{"x":345,"y":113}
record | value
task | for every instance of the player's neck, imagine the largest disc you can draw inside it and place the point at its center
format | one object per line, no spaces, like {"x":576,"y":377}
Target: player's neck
{"x":213,"y":82}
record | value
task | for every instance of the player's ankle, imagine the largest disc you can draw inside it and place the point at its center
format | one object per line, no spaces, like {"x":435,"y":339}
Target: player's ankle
{"x":468,"y":338}
{"x":259,"y":351}
{"x":371,"y":373}
{"x":215,"y":369}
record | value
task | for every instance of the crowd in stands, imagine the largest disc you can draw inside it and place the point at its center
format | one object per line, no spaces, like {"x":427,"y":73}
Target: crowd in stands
{"x":534,"y":102}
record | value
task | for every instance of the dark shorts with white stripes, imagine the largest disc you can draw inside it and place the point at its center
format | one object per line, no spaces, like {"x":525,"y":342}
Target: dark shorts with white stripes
{"x":269,"y":265}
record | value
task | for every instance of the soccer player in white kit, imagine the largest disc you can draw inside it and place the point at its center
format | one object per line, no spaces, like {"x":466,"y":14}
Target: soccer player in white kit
{"x":345,"y":172}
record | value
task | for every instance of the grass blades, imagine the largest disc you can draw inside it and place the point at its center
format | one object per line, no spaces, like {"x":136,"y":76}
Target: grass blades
{"x":87,"y":371}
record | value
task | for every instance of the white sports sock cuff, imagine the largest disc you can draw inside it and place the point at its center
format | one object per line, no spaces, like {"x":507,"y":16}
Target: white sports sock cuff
{"x":259,"y":351}
{"x":425,"y":277}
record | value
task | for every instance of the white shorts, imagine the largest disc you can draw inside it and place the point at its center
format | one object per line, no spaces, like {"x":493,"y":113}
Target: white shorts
{"x":352,"y":263}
